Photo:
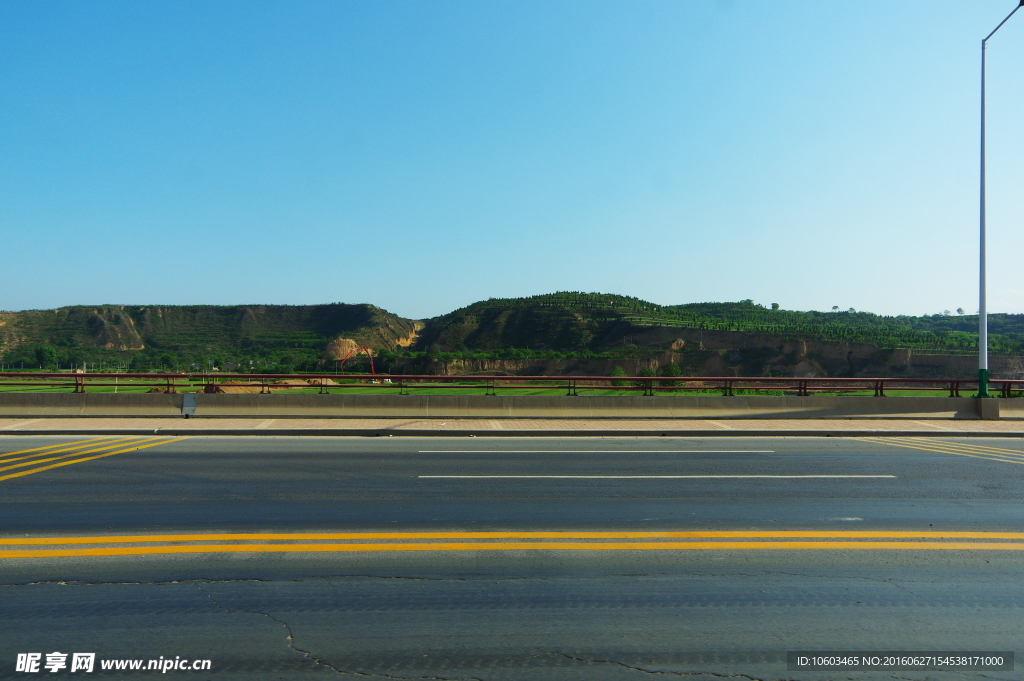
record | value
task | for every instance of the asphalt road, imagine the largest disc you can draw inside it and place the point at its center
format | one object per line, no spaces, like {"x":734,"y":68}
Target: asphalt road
{"x":615,"y":558}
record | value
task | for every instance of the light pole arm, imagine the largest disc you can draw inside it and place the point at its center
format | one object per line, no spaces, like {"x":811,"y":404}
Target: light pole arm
{"x":1003,"y":22}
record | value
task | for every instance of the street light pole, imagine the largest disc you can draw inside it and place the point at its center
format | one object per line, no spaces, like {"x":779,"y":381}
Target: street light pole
{"x":982,"y":304}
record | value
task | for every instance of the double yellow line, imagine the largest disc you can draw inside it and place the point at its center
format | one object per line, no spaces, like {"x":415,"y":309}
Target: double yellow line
{"x":944,"y":447}
{"x":69,"y":453}
{"x":353,"y":542}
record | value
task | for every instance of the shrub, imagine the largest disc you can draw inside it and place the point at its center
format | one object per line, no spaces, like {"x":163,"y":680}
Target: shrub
{"x":671,"y":370}
{"x":618,"y":371}
{"x":46,"y":356}
{"x":644,"y":372}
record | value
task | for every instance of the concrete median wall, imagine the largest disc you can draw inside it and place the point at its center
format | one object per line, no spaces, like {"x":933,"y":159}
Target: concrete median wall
{"x":1011,"y":409}
{"x":89,"y":404}
{"x":504,"y":406}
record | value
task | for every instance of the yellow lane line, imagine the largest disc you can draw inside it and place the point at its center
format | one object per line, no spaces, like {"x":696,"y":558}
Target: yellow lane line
{"x":35,"y":461}
{"x":324,"y":536}
{"x":981,"y":449}
{"x":88,"y":458}
{"x":65,"y":447}
{"x":510,"y":546}
{"x":942,"y":451}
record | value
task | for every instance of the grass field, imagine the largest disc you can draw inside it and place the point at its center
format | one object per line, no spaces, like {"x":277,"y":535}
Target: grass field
{"x":137,"y":388}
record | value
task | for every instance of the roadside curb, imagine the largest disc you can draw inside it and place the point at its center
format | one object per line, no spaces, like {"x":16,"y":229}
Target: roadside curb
{"x":411,"y":432}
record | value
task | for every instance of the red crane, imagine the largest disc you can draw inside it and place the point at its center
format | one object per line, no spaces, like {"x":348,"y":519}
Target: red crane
{"x":369,"y":353}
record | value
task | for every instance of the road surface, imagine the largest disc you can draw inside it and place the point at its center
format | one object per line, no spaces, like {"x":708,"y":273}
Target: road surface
{"x":508,"y":558}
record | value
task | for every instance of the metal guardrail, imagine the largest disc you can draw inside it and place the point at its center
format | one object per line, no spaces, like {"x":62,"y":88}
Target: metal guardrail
{"x":648,"y":385}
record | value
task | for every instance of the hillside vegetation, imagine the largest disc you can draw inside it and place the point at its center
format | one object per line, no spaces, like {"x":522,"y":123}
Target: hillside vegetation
{"x":556,"y":333}
{"x":600,"y":322}
{"x":267,"y":337}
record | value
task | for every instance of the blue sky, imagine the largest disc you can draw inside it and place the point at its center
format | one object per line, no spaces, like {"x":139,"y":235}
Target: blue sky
{"x":424,"y":155}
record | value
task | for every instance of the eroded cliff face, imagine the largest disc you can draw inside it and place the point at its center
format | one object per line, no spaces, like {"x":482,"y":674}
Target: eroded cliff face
{"x":759,"y":355}
{"x":414,"y":333}
{"x":112,"y":328}
{"x":928,"y":365}
{"x":9,"y":337}
{"x":717,"y":364}
{"x":105,"y":327}
{"x":724,"y":353}
{"x":339,"y":348}
{"x":702,"y":364}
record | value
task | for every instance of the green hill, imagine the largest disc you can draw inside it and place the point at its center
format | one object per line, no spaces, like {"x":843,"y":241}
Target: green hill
{"x":572,"y":321}
{"x":285,"y":337}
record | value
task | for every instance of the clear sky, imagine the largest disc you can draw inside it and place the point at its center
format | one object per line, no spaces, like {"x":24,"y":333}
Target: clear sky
{"x":424,"y":155}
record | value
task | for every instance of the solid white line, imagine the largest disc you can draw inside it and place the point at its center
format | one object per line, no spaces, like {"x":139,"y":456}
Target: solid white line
{"x":649,"y":477}
{"x":596,"y":451}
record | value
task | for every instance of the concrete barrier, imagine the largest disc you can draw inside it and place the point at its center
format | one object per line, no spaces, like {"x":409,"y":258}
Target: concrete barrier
{"x":1010,"y":409}
{"x":543,"y":406}
{"x":503,"y":406}
{"x":89,"y":404}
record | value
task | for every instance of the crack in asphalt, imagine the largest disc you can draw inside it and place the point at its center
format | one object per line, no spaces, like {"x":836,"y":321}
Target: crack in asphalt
{"x":482,"y":578}
{"x":763,"y":573}
{"x":888,"y":582}
{"x":966,"y":674}
{"x":656,"y":671}
{"x":290,"y":639}
{"x":201,"y":580}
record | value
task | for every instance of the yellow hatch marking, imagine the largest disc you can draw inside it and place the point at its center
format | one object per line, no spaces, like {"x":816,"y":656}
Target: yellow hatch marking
{"x":87,"y":458}
{"x":35,"y":460}
{"x":945,"y":449}
{"x":66,"y":447}
{"x":970,"y":446}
